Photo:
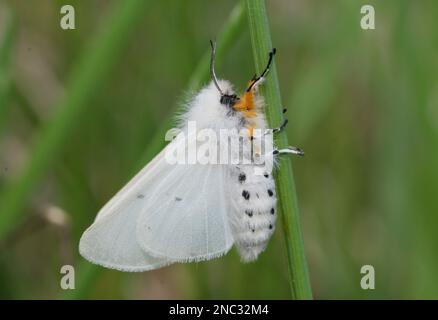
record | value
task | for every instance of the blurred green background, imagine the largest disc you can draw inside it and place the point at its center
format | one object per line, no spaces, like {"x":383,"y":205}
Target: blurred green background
{"x":82,"y":110}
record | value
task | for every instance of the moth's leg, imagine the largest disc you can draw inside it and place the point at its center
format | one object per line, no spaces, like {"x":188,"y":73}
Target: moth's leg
{"x":256,"y":81}
{"x":289,"y":150}
{"x":279,"y":129}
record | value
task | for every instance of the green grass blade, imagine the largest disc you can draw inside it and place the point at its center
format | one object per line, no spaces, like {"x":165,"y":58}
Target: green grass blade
{"x":262,"y":44}
{"x":86,"y":79}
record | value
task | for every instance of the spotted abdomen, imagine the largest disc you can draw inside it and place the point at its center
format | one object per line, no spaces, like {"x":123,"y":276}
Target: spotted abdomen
{"x":254,"y":202}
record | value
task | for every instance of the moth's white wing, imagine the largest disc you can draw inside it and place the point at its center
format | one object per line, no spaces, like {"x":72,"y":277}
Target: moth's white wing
{"x":120,"y":239}
{"x":185,"y":218}
{"x":110,"y":241}
{"x":143,"y":180}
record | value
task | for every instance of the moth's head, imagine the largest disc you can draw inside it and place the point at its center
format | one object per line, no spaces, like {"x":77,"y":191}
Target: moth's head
{"x":226,"y":96}
{"x":208,"y":106}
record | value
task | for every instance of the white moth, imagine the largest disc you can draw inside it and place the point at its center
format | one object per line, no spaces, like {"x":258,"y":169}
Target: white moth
{"x":173,"y":212}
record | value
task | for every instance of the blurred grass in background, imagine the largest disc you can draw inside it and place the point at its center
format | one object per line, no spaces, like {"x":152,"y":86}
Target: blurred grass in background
{"x":362,"y":104}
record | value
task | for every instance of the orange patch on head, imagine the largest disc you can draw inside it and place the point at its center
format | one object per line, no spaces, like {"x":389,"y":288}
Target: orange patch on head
{"x":246,"y":104}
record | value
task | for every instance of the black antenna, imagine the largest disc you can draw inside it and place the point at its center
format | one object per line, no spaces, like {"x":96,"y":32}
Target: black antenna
{"x":213,"y":73}
{"x":256,"y":79}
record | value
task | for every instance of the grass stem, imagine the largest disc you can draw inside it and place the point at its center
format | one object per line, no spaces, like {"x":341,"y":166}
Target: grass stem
{"x":287,"y":198}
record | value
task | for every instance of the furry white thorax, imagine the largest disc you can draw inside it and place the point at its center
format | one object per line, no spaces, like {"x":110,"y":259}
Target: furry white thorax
{"x":205,"y":108}
{"x":207,"y":111}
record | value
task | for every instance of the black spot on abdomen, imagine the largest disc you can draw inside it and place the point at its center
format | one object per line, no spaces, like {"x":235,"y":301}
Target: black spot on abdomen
{"x":245,"y":194}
